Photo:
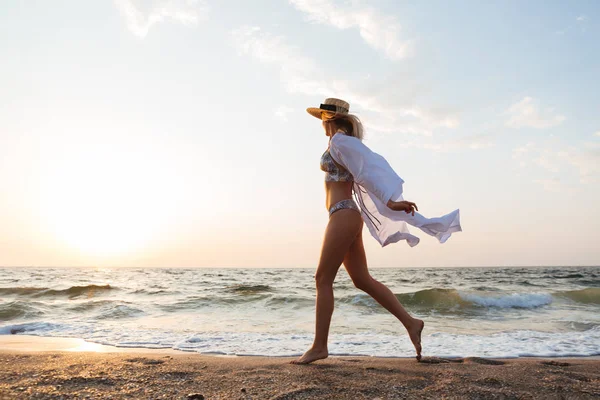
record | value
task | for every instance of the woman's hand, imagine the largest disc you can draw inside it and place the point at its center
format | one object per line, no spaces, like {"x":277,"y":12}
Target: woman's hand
{"x":407,"y":206}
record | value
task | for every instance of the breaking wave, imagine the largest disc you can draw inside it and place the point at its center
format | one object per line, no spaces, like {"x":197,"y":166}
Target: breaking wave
{"x":71,"y":292}
{"x":451,"y":299}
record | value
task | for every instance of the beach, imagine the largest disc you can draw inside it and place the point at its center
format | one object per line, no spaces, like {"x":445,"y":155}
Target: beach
{"x":490,"y":333}
{"x":56,"y":368}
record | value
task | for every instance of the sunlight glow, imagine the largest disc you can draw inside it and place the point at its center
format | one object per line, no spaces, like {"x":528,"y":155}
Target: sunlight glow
{"x":87,"y":346}
{"x":107,"y":202}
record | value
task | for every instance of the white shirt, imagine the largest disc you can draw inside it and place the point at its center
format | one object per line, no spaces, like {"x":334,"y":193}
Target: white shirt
{"x":375,"y":182}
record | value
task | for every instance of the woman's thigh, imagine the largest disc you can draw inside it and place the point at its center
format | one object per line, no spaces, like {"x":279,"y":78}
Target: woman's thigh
{"x":343,"y":228}
{"x":355,"y":261}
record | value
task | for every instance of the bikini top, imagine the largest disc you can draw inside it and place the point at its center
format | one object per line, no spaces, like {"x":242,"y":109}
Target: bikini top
{"x":334,"y":173}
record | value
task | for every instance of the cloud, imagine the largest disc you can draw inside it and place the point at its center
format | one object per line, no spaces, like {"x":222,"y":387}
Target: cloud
{"x":548,"y":159}
{"x":551,"y":184}
{"x":469,"y":142}
{"x":473,"y":142}
{"x":298,"y":73}
{"x":532,"y":154}
{"x":141,"y":15}
{"x":597,"y":133}
{"x":520,"y":153}
{"x":560,"y":157}
{"x":527,"y":113}
{"x":388,"y":105}
{"x":282,"y":112}
{"x":581,"y":24}
{"x":586,"y":161}
{"x":378,"y":30}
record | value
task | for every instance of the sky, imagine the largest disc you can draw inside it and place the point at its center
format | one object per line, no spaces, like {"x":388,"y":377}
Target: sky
{"x":173,"y":133}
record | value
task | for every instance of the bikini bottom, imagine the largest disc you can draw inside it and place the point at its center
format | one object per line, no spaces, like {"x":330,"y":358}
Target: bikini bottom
{"x":340,"y":205}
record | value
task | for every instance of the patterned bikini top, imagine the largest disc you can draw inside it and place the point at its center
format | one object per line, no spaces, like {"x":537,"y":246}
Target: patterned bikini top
{"x":334,"y":173}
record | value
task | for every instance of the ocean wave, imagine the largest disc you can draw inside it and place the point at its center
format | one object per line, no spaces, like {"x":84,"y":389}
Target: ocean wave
{"x":249,"y":289}
{"x":19,"y":309}
{"x":449,"y":299}
{"x":589,"y":282}
{"x":435,"y":299}
{"x":150,"y":291}
{"x":428,"y":298}
{"x":486,"y":289}
{"x":527,"y":283}
{"x":195,"y":302}
{"x":87,"y":306}
{"x":585,"y":296}
{"x":76,"y":291}
{"x":71,"y":292}
{"x":21,"y":290}
{"x":34,"y":328}
{"x":568,"y":276}
{"x":120,"y":311}
{"x":290,"y":301}
{"x":513,"y":300}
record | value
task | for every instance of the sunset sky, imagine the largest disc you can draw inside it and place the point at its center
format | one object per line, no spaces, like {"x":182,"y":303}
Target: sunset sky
{"x":174,"y":133}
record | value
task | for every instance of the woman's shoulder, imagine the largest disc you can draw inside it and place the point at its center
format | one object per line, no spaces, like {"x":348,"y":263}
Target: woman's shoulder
{"x":343,"y":137}
{"x":342,"y":140}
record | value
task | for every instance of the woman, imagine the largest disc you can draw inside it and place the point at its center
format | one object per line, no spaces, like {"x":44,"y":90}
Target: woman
{"x":350,"y":166}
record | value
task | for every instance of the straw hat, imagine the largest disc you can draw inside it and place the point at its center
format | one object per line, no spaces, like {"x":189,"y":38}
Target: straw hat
{"x":332,"y":105}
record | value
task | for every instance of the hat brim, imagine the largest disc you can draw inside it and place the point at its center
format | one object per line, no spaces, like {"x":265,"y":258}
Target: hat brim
{"x":316,"y":112}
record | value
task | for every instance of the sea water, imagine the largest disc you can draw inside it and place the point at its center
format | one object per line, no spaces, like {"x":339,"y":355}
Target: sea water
{"x":485,"y":312}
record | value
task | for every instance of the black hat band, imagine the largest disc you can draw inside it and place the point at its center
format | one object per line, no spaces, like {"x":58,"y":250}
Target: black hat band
{"x":331,"y":107}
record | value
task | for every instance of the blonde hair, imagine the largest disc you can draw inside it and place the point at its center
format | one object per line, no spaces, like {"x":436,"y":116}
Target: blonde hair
{"x":348,"y":123}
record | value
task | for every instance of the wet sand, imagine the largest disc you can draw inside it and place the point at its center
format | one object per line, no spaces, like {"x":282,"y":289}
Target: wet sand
{"x":54,"y":368}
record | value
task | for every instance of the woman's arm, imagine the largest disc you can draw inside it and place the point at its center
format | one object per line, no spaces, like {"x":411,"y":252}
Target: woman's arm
{"x":407,"y":206}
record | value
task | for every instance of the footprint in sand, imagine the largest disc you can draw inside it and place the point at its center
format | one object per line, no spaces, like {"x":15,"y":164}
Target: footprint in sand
{"x":555,"y":363}
{"x":485,"y":361}
{"x":438,"y":360}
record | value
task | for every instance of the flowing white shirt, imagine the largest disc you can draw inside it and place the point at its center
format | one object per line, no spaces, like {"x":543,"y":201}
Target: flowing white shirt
{"x":375,"y":183}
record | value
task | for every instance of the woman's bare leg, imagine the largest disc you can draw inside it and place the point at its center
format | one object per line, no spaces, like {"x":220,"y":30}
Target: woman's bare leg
{"x":355,"y":262}
{"x":342,"y":229}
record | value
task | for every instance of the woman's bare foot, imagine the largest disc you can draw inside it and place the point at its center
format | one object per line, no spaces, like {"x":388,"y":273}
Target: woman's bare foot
{"x":415,"y":336}
{"x":311,"y":355}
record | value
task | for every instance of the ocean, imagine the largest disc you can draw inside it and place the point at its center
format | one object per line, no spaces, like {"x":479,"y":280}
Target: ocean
{"x":484,"y":312}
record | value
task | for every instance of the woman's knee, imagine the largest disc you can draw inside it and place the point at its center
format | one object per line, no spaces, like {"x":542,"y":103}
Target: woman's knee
{"x":364,"y":284}
{"x":324,"y":280}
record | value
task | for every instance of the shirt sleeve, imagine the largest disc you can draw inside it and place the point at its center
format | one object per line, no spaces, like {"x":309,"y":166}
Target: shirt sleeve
{"x":369,"y":169}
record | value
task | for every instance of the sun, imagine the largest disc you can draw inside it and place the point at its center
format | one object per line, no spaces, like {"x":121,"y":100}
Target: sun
{"x":105,"y":203}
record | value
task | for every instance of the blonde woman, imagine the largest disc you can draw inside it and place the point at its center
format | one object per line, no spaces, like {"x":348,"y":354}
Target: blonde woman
{"x":350,"y":167}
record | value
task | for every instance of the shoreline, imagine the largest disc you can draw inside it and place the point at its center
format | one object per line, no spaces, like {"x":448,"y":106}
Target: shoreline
{"x":33,"y":343}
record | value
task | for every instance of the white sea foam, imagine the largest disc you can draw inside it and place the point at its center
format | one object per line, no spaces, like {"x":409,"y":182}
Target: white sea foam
{"x":35,"y":328}
{"x":517,"y":343}
{"x":514,"y":300}
{"x":521,"y":343}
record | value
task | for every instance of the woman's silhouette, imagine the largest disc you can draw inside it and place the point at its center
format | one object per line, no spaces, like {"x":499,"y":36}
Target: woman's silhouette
{"x":351,"y":167}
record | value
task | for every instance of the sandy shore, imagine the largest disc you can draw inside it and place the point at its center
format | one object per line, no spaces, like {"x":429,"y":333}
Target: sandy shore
{"x":43,"y":368}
